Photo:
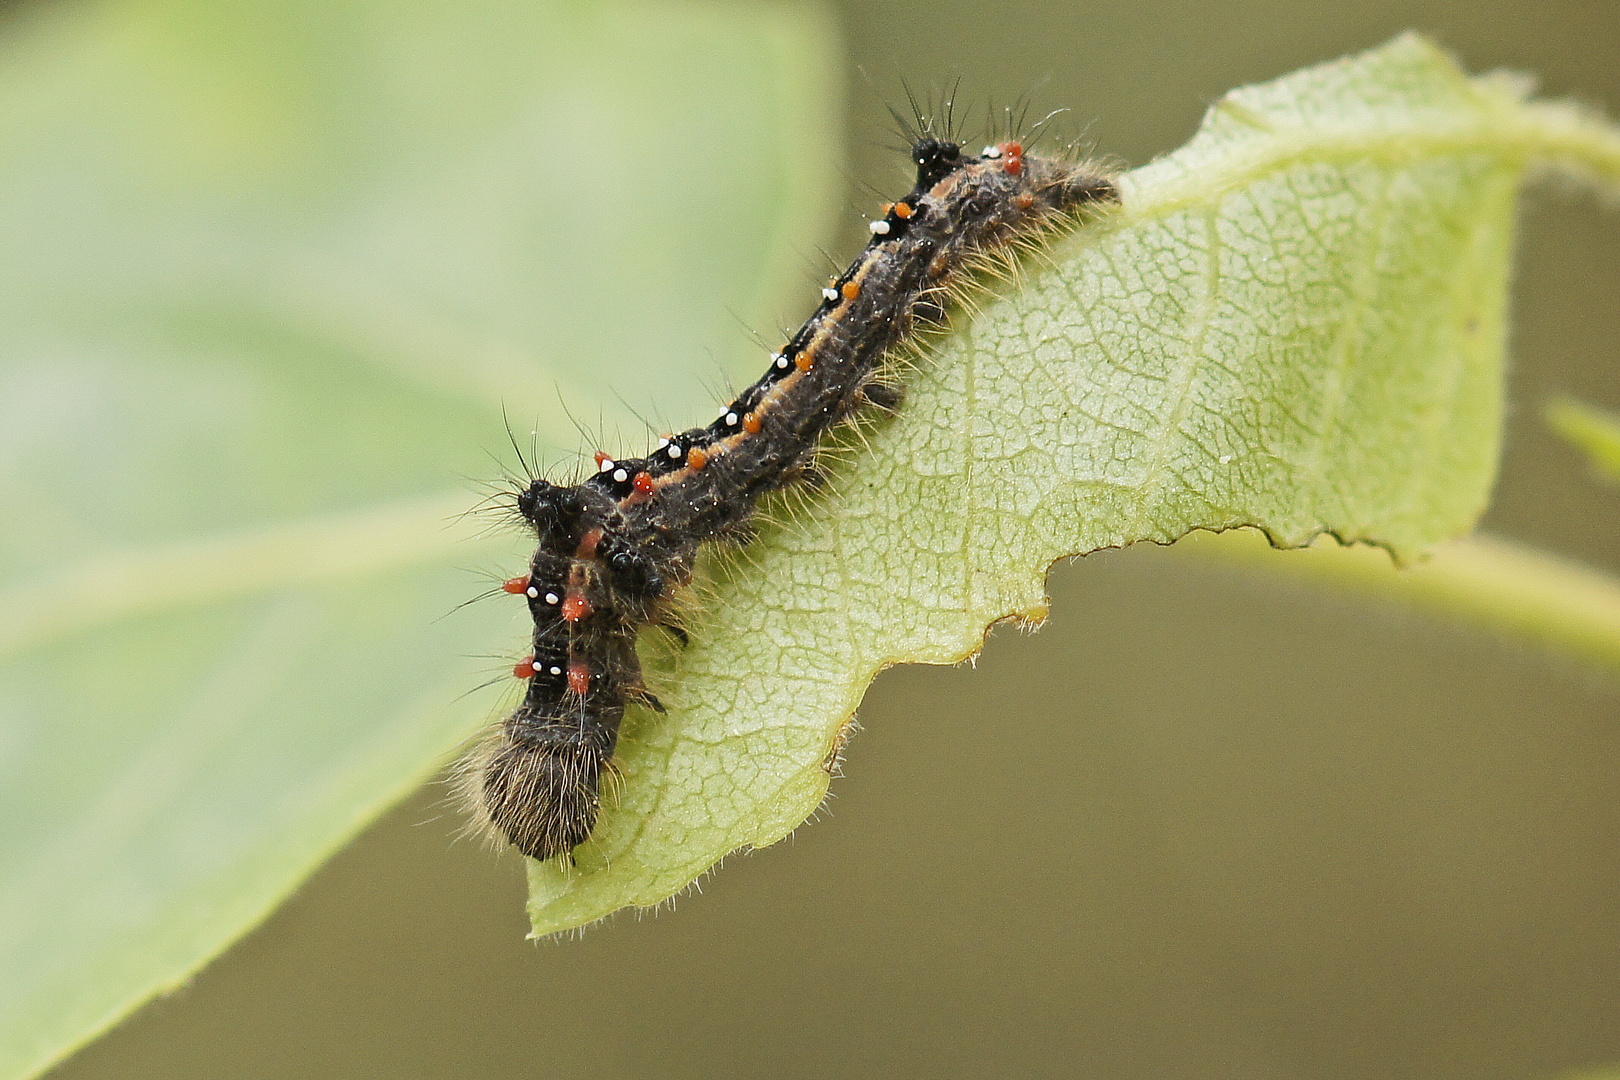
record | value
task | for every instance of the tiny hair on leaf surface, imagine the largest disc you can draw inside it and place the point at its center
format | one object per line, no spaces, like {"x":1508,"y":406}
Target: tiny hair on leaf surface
{"x":1295,"y":323}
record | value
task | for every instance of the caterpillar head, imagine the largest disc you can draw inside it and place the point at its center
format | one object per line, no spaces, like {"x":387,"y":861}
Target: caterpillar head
{"x":936,"y":159}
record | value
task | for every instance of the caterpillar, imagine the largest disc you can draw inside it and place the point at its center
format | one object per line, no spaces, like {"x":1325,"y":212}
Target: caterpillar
{"x":614,"y":551}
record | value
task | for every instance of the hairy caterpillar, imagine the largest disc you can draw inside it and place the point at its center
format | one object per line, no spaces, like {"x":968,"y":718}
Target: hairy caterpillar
{"x":614,"y":550}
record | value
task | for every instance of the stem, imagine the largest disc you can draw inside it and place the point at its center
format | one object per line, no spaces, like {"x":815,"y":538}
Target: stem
{"x":1558,"y":602}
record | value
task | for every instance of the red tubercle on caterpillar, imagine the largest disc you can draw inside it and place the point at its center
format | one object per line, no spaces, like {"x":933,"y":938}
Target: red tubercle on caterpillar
{"x":903,"y":210}
{"x":575,"y":608}
{"x":697,"y":457}
{"x":588,"y":544}
{"x":851,"y":290}
{"x":602,"y":458}
{"x":642,"y":488}
{"x":806,"y":360}
{"x":579,"y":677}
{"x":525,"y":668}
{"x":753,"y":424}
{"x":516,"y":586}
{"x":1012,"y":158}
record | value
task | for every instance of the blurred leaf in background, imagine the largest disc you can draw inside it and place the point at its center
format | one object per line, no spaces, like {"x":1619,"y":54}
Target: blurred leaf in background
{"x":269,"y":275}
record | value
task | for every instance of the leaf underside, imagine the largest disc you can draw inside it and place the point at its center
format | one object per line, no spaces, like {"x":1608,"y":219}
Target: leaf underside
{"x":1295,"y":322}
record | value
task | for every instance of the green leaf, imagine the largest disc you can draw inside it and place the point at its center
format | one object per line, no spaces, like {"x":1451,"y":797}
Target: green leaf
{"x":268,"y":274}
{"x":1295,"y":323}
{"x":1593,"y":431}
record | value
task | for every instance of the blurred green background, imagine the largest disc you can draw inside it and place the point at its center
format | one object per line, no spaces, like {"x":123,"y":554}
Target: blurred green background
{"x":1205,"y":824}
